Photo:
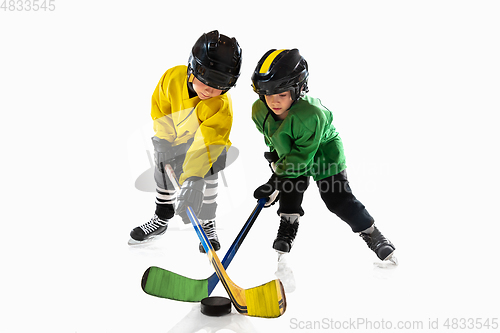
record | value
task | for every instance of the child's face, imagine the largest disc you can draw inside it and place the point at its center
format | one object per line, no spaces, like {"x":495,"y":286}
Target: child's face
{"x":279,"y":103}
{"x":203,"y":91}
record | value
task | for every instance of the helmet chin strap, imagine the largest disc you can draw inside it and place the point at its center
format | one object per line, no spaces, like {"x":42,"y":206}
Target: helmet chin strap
{"x":302,"y":92}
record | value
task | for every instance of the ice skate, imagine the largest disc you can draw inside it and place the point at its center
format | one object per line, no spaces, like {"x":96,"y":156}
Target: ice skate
{"x":148,"y":231}
{"x":209,"y":228}
{"x":382,"y":247}
{"x":289,"y":224}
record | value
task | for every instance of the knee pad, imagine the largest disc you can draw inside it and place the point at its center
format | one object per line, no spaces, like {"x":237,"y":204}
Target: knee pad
{"x":208,"y":211}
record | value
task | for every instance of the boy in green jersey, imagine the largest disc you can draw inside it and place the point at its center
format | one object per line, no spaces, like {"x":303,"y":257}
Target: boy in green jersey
{"x":303,"y":143}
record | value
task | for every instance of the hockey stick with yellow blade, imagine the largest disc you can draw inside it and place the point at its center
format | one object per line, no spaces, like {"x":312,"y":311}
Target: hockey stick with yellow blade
{"x":266,"y":301}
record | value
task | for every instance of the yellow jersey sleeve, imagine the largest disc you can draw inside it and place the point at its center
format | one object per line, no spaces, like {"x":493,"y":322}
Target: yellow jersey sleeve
{"x":179,"y":118}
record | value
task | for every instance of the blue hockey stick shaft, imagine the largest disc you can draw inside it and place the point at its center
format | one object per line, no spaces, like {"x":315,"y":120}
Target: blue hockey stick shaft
{"x":214,"y":279}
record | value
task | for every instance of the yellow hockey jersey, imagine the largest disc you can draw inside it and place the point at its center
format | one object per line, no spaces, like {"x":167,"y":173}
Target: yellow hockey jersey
{"x":179,"y":118}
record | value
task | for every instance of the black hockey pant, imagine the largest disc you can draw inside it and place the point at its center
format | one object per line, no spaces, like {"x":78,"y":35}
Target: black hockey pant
{"x":336,"y":194}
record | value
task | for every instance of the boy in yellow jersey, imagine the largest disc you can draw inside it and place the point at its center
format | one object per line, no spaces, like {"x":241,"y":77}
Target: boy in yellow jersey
{"x":192,"y":117}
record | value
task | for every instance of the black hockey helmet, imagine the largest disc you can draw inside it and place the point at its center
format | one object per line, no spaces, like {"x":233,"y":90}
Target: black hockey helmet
{"x":215,"y":60}
{"x":279,"y":71}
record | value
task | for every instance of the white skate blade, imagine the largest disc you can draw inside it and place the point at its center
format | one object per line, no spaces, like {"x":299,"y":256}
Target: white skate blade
{"x":285,"y":273}
{"x":393,"y":260}
{"x":390,"y":262}
{"x":133,"y":242}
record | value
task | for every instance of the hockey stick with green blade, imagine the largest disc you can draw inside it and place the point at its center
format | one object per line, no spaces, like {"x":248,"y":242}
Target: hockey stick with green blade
{"x":266,"y":301}
{"x":162,"y":283}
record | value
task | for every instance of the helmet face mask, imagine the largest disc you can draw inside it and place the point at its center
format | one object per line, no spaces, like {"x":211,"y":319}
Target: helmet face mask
{"x":279,"y":71}
{"x":215,"y":60}
{"x":211,"y":78}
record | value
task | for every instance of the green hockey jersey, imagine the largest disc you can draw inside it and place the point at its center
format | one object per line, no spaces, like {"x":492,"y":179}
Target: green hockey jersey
{"x":306,"y":141}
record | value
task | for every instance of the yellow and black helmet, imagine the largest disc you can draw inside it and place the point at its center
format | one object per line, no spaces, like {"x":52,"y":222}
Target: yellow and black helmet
{"x":215,"y":60}
{"x":279,"y":71}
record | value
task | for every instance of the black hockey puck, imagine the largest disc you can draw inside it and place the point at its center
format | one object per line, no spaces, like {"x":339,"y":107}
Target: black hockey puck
{"x":215,"y":306}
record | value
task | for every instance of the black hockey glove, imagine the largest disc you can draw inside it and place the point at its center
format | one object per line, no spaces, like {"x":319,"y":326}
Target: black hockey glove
{"x":164,"y":153}
{"x":191,"y":194}
{"x":271,"y":156}
{"x":269,"y":190}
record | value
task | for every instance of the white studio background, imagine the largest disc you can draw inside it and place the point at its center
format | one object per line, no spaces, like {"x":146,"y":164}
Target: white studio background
{"x":414,"y":88}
